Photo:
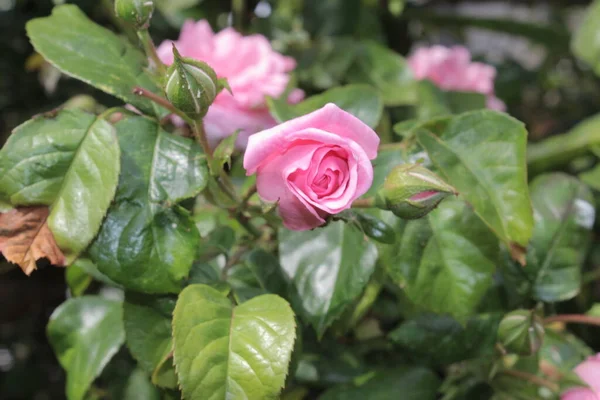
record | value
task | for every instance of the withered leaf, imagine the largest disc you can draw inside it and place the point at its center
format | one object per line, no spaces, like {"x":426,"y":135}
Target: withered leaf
{"x":25,"y":238}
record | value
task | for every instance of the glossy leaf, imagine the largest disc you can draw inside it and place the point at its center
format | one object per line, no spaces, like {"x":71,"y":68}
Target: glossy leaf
{"x":226,"y":352}
{"x":69,"y":162}
{"x":385,"y":70}
{"x":564,"y":215}
{"x":361,"y":101}
{"x":584,"y":43}
{"x":89,"y":52}
{"x":434,"y":102}
{"x":407,"y":383}
{"x":444,"y":262}
{"x":85,"y":333}
{"x":496,"y":186}
{"x":440,"y":339}
{"x":147,"y":322}
{"x":328,"y":267}
{"x":147,"y":242}
{"x":386,"y":161}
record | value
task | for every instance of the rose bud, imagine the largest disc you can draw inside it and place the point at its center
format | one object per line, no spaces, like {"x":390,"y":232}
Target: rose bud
{"x":191,"y":85}
{"x":589,"y":372}
{"x":313,"y":166}
{"x":411,"y":191}
{"x":135,"y":12}
{"x":521,"y":332}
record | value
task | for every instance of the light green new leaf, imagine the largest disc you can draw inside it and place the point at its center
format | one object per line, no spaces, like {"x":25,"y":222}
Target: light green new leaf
{"x":564,"y":216}
{"x":585,"y":43}
{"x":329,"y":267}
{"x":362,"y":101}
{"x":85,"y":333}
{"x":226,"y":352}
{"x":445,"y":261}
{"x":147,"y":322}
{"x":89,"y":52}
{"x":387,"y":71}
{"x":147,"y":242}
{"x":69,"y":162}
{"x":482,"y":154}
{"x":404,"y":383}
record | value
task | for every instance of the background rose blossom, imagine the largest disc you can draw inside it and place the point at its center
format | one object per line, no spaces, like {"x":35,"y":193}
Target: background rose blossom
{"x":589,"y":372}
{"x":314,"y":165}
{"x":451,"y":68}
{"x":253,"y":69}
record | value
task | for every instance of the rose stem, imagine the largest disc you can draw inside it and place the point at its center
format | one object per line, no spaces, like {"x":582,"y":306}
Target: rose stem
{"x":161,"y":101}
{"x":531,"y":378}
{"x":150,"y":50}
{"x":575,"y":318}
{"x":364,"y":203}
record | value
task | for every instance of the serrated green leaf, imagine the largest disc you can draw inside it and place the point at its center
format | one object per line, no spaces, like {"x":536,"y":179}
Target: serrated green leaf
{"x":69,"y":162}
{"x":387,"y":71}
{"x":85,"y":333}
{"x":434,"y":102}
{"x":584,"y":43}
{"x":482,"y":154}
{"x":362,"y":101}
{"x":444,"y":262}
{"x":139,"y":387}
{"x":227,"y":352}
{"x":147,"y":242}
{"x":87,"y":51}
{"x":564,"y":217}
{"x":440,"y":339}
{"x":147,"y":322}
{"x":404,"y":383}
{"x":328,"y":268}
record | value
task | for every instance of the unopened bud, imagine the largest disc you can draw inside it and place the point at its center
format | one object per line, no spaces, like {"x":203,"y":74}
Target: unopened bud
{"x":521,"y":332}
{"x":411,"y":191}
{"x":191,"y":85}
{"x":135,"y":12}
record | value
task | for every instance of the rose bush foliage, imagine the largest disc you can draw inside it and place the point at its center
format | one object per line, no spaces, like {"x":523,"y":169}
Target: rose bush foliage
{"x":245,"y":225}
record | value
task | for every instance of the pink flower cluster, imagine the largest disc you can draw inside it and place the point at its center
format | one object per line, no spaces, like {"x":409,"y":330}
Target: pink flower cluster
{"x":451,"y":68}
{"x":589,"y":372}
{"x":253,"y":69}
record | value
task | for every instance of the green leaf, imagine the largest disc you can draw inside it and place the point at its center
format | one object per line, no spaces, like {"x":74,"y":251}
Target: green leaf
{"x":584,"y":43}
{"x":147,"y":322}
{"x":370,"y":225}
{"x":384,"y":163}
{"x":82,"y":49}
{"x":434,"y":102}
{"x":387,"y":71}
{"x":440,"y":339}
{"x":444,"y":262}
{"x":328,"y":267}
{"x":269,"y":274}
{"x":80,"y":275}
{"x":85,"y":333}
{"x":404,"y":383}
{"x":564,"y":217}
{"x":482,"y":154}
{"x":362,"y":101}
{"x":69,"y":162}
{"x":591,"y":177}
{"x":139,"y":387}
{"x":325,"y":64}
{"x":223,"y":152}
{"x":148,"y":243}
{"x":227,"y":352}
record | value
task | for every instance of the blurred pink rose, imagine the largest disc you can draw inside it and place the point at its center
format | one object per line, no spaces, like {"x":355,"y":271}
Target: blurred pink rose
{"x":253,"y":69}
{"x":315,"y":165}
{"x":589,"y":372}
{"x":450,"y":68}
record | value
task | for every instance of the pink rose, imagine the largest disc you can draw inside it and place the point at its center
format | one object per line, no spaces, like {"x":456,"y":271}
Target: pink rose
{"x":589,"y":372}
{"x":253,"y":69}
{"x":450,"y":68}
{"x":314,"y":166}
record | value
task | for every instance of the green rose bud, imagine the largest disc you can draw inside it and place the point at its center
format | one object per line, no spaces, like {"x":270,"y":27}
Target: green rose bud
{"x":521,"y":332}
{"x":136,"y":12}
{"x":191,"y":85}
{"x":411,"y":191}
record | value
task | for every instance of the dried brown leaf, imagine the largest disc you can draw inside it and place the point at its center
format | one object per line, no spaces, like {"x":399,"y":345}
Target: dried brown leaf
{"x":25,"y":238}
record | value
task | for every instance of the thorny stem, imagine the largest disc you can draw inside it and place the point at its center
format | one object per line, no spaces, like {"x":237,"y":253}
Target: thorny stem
{"x":150,"y":50}
{"x":574,"y":318}
{"x":532,"y":378}
{"x":234,"y":259}
{"x":364,"y":203}
{"x":161,"y":101}
{"x":251,"y":190}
